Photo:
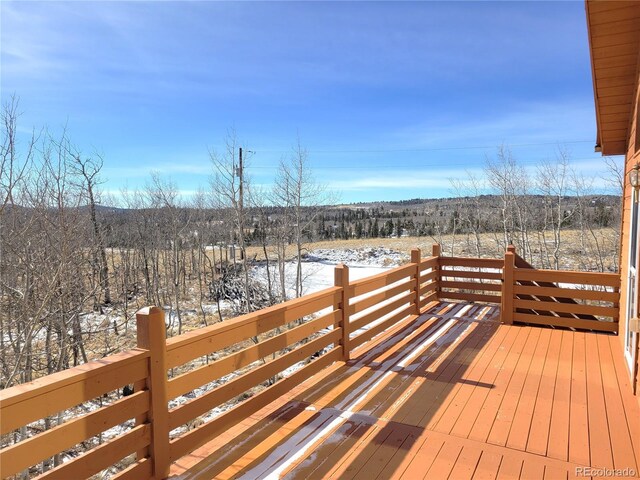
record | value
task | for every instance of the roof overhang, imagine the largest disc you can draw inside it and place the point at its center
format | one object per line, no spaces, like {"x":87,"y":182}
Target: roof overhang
{"x":614,"y":44}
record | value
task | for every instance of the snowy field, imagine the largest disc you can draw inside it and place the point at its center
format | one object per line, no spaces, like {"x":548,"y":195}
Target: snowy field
{"x":318,"y":267}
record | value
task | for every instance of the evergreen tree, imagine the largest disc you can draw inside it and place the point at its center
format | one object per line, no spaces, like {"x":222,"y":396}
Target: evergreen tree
{"x":388,"y":228}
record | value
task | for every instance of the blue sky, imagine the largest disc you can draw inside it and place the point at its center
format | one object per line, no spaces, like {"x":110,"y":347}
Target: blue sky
{"x":391,"y":99}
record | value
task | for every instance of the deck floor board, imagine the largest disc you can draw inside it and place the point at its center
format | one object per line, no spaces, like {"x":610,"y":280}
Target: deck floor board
{"x":578,"y":413}
{"x":449,"y":412}
{"x":621,"y":441}
{"x":539,"y":432}
{"x":601,"y":453}
{"x":480,"y":381}
{"x":523,"y":415}
{"x":489,"y":409}
{"x":504,"y":417}
{"x":488,"y":466}
{"x":558,"y":443}
{"x":453,"y":394}
{"x":466,"y":464}
{"x":423,"y":405}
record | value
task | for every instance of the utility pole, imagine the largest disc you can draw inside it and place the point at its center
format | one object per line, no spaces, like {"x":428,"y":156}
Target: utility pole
{"x":240,"y":173}
{"x":243,"y":258}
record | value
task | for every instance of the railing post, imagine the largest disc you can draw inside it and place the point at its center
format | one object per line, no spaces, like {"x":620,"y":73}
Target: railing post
{"x":506,"y":305}
{"x":435,"y":252}
{"x":341,"y":279}
{"x":152,"y":336}
{"x":415,"y":259}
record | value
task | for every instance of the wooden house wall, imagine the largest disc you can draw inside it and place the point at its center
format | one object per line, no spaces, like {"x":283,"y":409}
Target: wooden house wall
{"x":631,"y":159}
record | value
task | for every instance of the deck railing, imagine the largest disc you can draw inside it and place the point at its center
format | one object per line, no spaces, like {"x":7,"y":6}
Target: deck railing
{"x":581,"y":300}
{"x":471,"y":279}
{"x":237,"y":367}
{"x":24,"y":404}
{"x":558,"y":298}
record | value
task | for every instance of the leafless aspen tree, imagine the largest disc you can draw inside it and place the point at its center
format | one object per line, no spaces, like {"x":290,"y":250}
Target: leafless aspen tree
{"x":264,"y":231}
{"x":175,"y":223}
{"x":500,"y":173}
{"x":511,"y":183}
{"x":226,"y":188}
{"x":301,"y":197}
{"x":88,"y":170}
{"x":471,"y":213}
{"x":616,"y":181}
{"x":553,"y":183}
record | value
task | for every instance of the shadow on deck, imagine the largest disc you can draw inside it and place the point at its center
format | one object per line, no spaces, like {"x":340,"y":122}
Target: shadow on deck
{"x":454,"y":394}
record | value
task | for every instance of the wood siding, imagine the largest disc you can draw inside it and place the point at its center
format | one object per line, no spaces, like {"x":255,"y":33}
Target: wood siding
{"x":614,"y":40}
{"x":631,"y":159}
{"x":614,"y":32}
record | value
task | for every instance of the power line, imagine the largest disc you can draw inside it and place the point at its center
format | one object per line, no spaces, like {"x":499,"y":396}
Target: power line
{"x":439,"y":149}
{"x":417,"y":164}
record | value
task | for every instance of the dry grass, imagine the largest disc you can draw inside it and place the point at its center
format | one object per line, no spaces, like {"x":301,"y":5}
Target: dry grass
{"x":572,"y":253}
{"x":572,"y":256}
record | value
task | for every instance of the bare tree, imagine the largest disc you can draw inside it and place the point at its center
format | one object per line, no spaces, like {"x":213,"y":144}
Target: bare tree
{"x":43,"y":268}
{"x":264,"y":232}
{"x":471,"y":212}
{"x":616,"y":180}
{"x":227,"y":191}
{"x":13,"y":166}
{"x":175,"y":222}
{"x":202,"y":263}
{"x":594,"y":249}
{"x":553,"y":183}
{"x":511,"y":182}
{"x":88,"y":170}
{"x":500,"y":174}
{"x":296,"y":190}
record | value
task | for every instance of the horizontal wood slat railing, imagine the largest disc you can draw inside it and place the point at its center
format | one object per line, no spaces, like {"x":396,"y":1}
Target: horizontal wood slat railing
{"x":523,"y":264}
{"x":471,"y":279}
{"x":580,"y":300}
{"x":233,"y":368}
{"x":190,"y":388}
{"x":47,"y":396}
{"x":199,"y":342}
{"x":200,"y":376}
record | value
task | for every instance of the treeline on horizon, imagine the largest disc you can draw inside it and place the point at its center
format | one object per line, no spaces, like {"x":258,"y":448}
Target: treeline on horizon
{"x":424,"y":217}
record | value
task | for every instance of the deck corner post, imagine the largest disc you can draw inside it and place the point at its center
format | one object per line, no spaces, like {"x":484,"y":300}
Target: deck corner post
{"x":435,"y":252}
{"x":415,"y":259}
{"x":506,"y":306}
{"x":151,"y":333}
{"x":341,"y":279}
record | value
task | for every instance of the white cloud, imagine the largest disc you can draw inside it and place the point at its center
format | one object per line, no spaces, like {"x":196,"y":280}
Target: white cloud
{"x":533,"y":123}
{"x":409,"y":179}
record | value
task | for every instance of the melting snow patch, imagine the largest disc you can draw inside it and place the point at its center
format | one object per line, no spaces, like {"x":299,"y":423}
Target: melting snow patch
{"x":370,"y":257}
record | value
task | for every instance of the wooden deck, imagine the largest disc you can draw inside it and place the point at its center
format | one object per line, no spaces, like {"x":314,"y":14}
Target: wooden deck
{"x":454,"y":395}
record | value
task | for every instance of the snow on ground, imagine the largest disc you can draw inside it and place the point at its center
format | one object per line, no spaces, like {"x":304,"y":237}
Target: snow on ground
{"x":318,"y":274}
{"x":358,"y":257}
{"x":318,"y":267}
